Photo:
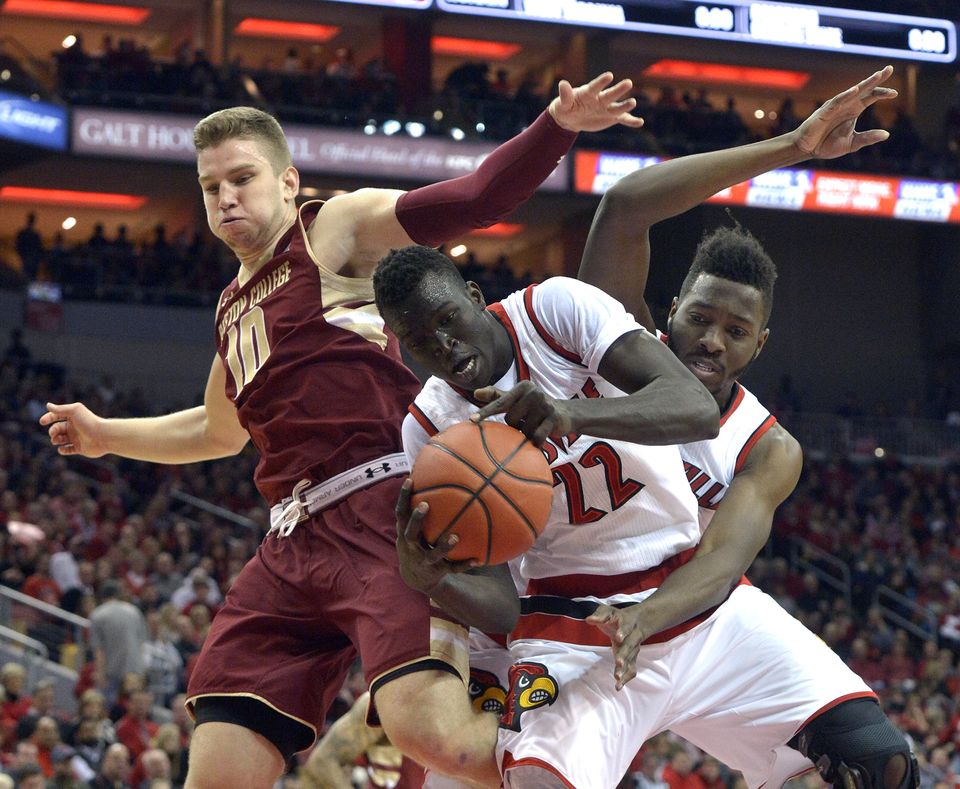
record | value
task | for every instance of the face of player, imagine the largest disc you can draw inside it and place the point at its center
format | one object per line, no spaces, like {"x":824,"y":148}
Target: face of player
{"x":716,"y":330}
{"x":445,"y":327}
{"x":249,"y":205}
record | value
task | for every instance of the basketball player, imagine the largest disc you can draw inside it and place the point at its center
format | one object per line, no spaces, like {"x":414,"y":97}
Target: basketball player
{"x":349,"y":741}
{"x":578,"y":730}
{"x":306,"y":370}
{"x":717,"y":326}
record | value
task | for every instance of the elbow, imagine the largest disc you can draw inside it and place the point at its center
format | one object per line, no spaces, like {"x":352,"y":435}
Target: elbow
{"x":222,"y":446}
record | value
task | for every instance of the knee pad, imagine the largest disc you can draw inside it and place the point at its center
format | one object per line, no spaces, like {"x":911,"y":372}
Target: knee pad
{"x":854,"y":746}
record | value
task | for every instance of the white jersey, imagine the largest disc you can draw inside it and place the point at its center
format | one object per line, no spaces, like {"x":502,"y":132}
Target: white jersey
{"x":618,"y":507}
{"x":712,"y":464}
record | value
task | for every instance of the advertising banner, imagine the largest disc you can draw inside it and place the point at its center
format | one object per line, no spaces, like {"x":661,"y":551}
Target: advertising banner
{"x":153,"y":137}
{"x":33,"y":122}
{"x":798,"y":190}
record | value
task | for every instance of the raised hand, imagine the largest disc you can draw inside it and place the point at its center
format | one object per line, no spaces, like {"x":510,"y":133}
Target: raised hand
{"x":528,"y":409}
{"x":595,"y":106}
{"x":421,"y":567}
{"x":622,"y":627}
{"x":830,"y":131}
{"x":74,"y":429}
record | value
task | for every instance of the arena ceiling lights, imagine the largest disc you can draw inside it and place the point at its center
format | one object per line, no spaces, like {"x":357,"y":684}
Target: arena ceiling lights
{"x":85,"y":12}
{"x":254,"y":27}
{"x":499,"y":230}
{"x":72,"y":199}
{"x":731,"y":74}
{"x":473,"y":48}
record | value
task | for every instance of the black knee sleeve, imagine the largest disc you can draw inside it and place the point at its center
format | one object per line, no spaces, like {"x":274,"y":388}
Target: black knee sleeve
{"x":854,"y":746}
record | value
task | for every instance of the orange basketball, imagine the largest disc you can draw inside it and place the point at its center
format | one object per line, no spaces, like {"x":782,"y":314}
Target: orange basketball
{"x":488,"y":484}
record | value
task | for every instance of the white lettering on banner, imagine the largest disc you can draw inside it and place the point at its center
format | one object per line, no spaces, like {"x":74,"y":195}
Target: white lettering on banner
{"x":933,"y":211}
{"x":27,"y":119}
{"x":118,"y":134}
{"x":575,"y":10}
{"x":169,"y":138}
{"x":792,"y":25}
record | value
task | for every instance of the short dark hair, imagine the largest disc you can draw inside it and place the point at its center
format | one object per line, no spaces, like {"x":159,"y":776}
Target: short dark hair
{"x":735,"y":254}
{"x":246,"y":123}
{"x":400,"y":271}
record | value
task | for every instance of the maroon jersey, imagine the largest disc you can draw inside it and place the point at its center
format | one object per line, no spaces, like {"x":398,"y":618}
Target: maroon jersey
{"x":315,"y":374}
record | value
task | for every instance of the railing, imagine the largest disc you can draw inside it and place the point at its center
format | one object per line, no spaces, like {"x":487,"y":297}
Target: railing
{"x":213,"y":509}
{"x":52,"y":626}
{"x":889,"y":601}
{"x":807,"y":557}
{"x":35,"y":654}
{"x":927,"y":441}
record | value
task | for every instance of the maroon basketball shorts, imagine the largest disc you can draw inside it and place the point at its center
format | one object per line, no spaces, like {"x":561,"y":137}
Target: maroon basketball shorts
{"x":307,"y":604}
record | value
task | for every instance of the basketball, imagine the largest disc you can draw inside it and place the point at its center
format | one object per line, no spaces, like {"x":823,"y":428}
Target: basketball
{"x":486,"y":483}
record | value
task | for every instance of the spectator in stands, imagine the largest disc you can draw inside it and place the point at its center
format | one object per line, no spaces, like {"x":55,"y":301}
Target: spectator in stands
{"x":711,"y":773}
{"x":679,"y":774}
{"x":17,"y":353}
{"x":169,"y":740}
{"x":64,"y":776}
{"x":29,"y":247}
{"x":89,"y":747}
{"x":46,"y":736}
{"x":136,"y":729}
{"x":114,"y":769}
{"x":29,"y":776}
{"x":118,"y":632}
{"x":40,"y":585}
{"x":42,"y":706}
{"x":162,"y":661}
{"x":16,"y":703}
{"x":650,"y":775}
{"x":156,"y":766}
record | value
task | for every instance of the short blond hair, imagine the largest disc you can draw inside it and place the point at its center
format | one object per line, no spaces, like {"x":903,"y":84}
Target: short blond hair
{"x":247,"y":123}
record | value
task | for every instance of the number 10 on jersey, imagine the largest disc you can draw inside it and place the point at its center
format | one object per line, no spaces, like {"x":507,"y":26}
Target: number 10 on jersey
{"x":247,"y":347}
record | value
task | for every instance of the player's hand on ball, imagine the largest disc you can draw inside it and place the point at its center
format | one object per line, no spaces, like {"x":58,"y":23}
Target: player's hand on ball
{"x":526,"y":408}
{"x":422,"y":567}
{"x":831,"y":130}
{"x":622,"y":627}
{"x":74,"y":429}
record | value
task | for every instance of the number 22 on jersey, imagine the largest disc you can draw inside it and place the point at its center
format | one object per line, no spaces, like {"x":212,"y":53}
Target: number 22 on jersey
{"x":600,"y":453}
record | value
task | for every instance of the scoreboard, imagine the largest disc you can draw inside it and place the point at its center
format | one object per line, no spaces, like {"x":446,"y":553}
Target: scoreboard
{"x":840,"y":30}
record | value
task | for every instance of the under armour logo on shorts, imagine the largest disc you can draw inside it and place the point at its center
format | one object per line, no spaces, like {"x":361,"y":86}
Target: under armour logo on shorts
{"x":372,"y":471}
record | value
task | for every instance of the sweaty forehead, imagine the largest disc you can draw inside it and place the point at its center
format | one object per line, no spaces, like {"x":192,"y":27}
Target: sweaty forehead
{"x":737,"y":298}
{"x":431,"y":294}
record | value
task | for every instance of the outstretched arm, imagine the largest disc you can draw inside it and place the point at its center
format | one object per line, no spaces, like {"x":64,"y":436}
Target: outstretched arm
{"x":209,"y":431}
{"x":619,"y":234}
{"x":355,"y":230}
{"x":739,"y":529}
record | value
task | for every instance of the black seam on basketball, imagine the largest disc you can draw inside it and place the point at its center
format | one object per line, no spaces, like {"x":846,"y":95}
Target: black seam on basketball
{"x":499,"y":468}
{"x":487,"y":481}
{"x":508,"y":458}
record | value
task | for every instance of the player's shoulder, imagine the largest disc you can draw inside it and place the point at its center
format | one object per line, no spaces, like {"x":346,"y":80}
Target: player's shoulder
{"x":776,"y":452}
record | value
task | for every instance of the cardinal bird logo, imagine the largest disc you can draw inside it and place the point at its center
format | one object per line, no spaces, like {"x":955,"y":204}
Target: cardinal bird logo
{"x":531,"y":686}
{"x":486,"y":692}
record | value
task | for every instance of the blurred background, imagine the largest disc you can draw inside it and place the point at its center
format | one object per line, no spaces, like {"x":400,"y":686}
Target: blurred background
{"x":109,"y":277}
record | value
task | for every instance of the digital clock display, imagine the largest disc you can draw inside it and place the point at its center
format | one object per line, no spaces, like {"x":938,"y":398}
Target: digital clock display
{"x":753,"y":21}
